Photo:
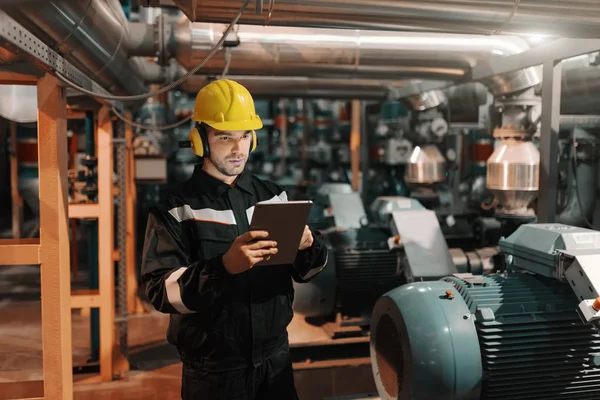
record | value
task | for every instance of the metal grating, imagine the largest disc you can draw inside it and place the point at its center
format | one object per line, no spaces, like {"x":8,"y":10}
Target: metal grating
{"x":367,"y":270}
{"x":535,"y":345}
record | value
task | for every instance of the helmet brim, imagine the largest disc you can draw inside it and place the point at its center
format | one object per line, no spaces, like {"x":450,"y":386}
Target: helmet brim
{"x":235,"y":125}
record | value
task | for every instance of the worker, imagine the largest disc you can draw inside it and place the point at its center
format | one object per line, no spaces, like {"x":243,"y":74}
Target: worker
{"x":228,"y":320}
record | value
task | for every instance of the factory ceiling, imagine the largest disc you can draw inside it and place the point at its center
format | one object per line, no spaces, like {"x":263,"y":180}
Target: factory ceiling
{"x":359,"y":59}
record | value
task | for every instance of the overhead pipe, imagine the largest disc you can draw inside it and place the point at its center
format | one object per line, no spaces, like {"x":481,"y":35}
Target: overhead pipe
{"x":90,"y":34}
{"x":571,"y":19}
{"x":345,"y":54}
{"x":338,"y":53}
{"x":302,"y":87}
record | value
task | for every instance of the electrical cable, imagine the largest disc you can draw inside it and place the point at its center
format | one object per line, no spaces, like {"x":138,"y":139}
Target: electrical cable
{"x":150,"y":127}
{"x":172,"y":85}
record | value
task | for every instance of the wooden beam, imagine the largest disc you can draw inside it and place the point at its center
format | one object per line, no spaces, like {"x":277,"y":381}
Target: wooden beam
{"x":14,"y":78}
{"x":30,"y":390}
{"x":54,"y":240}
{"x":19,"y":251}
{"x":85,"y":298}
{"x":106,"y":242}
{"x":132,"y":298}
{"x":88,"y":210}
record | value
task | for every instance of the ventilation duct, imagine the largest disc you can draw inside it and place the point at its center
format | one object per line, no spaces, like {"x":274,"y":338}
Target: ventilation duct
{"x":580,"y":91}
{"x":572,"y":19}
{"x":90,"y":34}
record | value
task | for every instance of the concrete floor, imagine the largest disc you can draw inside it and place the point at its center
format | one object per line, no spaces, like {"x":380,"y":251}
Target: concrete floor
{"x":322,"y":369}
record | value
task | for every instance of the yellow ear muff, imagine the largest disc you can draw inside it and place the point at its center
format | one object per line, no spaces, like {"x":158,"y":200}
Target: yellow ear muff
{"x":254,"y":142}
{"x":196,"y":140}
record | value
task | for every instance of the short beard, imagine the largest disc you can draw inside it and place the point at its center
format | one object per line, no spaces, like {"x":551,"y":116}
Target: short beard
{"x":227,"y":169}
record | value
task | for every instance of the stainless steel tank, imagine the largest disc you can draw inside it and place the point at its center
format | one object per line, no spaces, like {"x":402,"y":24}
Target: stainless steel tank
{"x":513,"y":174}
{"x":426,"y":165}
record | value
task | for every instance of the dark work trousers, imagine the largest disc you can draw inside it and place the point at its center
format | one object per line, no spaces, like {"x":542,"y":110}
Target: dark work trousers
{"x":272,"y":380}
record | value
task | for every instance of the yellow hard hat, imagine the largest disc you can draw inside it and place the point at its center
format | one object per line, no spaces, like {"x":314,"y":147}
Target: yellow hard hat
{"x":227,"y":106}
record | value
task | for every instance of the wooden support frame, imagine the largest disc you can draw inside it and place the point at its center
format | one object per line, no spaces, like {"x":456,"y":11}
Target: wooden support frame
{"x":52,"y":250}
{"x":106,"y":245}
{"x":103,"y":298}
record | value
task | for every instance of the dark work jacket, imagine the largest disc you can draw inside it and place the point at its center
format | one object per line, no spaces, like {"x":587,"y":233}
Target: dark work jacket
{"x":218,"y":320}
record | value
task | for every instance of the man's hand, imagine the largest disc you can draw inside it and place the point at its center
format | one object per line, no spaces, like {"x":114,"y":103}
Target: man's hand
{"x":247,"y":250}
{"x":307,"y":239}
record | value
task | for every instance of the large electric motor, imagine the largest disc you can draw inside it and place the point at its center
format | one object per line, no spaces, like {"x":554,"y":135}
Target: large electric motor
{"x":528,"y":333}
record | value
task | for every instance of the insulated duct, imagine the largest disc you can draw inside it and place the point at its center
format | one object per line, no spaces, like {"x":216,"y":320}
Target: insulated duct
{"x":91,"y":34}
{"x":345,"y":54}
{"x":580,"y":92}
{"x":571,"y":19}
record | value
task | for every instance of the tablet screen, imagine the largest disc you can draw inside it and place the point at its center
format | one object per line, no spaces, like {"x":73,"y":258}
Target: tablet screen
{"x":285,"y":222}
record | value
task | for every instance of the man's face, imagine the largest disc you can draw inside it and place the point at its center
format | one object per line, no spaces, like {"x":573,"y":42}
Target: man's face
{"x":229,"y":150}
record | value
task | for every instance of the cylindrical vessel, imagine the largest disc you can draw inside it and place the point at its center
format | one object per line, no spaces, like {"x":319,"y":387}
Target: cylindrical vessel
{"x":426,"y":165}
{"x":513,"y":173}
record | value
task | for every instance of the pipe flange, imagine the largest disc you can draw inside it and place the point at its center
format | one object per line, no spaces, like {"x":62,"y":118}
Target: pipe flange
{"x":518,"y":102}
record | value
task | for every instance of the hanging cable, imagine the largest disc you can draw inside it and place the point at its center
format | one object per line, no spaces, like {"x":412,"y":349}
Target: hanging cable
{"x":150,"y":127}
{"x":169,"y":87}
{"x":227,"y":62}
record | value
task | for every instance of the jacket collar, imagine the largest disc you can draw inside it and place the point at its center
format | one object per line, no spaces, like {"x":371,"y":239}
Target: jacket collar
{"x":213,"y":187}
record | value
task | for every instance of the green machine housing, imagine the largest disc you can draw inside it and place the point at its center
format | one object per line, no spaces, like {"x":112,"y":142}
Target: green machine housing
{"x":526,"y":333}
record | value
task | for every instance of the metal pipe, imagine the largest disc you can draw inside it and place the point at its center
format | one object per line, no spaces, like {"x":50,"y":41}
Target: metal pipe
{"x":282,"y":51}
{"x":572,"y":19}
{"x":302,"y":87}
{"x":580,"y":87}
{"x":91,"y":34}
{"x":142,"y":39}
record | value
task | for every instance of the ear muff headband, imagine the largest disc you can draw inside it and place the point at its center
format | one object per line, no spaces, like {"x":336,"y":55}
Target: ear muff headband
{"x":199,"y":141}
{"x":254,"y":143}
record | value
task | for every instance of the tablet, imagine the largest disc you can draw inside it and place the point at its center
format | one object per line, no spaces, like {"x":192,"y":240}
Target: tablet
{"x":285,"y":222}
